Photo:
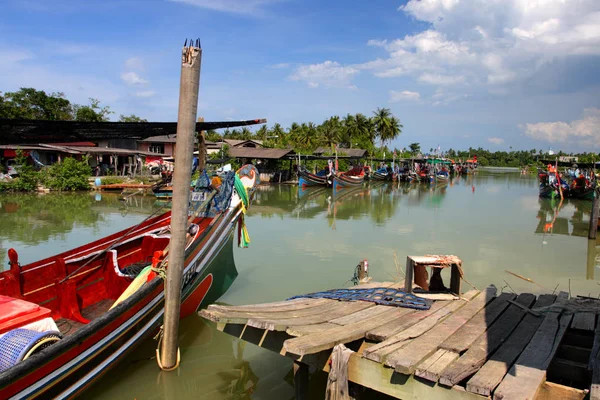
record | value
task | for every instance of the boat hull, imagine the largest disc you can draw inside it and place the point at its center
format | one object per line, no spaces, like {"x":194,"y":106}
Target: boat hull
{"x":378,"y":176}
{"x":77,"y":361}
{"x":307,"y":179}
{"x":345,"y":181}
{"x":69,"y":366}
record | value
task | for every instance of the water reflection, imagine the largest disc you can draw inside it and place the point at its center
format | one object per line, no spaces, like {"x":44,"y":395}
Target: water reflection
{"x":213,"y":366}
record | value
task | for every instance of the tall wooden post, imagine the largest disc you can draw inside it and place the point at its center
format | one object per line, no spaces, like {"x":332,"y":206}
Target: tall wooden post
{"x":201,"y":147}
{"x":594,"y":216}
{"x":186,"y":128}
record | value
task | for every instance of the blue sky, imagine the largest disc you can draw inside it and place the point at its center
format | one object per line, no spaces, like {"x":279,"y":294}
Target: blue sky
{"x":490,"y":73}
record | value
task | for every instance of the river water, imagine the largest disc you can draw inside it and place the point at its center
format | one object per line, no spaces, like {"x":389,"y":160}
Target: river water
{"x":305,"y":241}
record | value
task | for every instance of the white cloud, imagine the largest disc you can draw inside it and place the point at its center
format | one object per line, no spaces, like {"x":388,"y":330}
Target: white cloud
{"x":132,"y":78}
{"x":405,"y":95}
{"x":328,"y":74}
{"x":134,"y":63}
{"x":488,"y":42}
{"x":585,"y":131}
{"x":231,"y":6}
{"x":437,"y":79}
{"x":145,"y":93}
{"x":496,"y":140}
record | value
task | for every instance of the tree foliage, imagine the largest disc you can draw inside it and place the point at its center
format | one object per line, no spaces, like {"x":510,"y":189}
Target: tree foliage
{"x":92,"y":112}
{"x":131,"y":118}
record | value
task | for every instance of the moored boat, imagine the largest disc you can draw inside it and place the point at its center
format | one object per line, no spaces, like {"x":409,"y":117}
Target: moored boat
{"x":352,"y":178}
{"x":66,"y":319}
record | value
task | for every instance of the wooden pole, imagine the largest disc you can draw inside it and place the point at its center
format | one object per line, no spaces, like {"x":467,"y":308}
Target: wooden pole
{"x":186,"y":128}
{"x":594,"y":216}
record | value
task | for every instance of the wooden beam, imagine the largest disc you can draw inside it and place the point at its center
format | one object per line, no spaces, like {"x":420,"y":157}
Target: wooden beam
{"x":525,"y":378}
{"x":492,"y":372}
{"x":407,"y":358}
{"x":479,"y":351}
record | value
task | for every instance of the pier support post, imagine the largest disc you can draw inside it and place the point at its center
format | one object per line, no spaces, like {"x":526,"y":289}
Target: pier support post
{"x":594,"y":216}
{"x":301,"y":379}
{"x":186,"y":128}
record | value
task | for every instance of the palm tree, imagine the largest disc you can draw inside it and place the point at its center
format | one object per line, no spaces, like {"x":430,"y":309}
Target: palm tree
{"x":394,"y":129}
{"x":330,"y":132}
{"x":381,"y":117}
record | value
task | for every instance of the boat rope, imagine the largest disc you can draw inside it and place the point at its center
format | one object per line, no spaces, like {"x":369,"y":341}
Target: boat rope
{"x":159,"y":337}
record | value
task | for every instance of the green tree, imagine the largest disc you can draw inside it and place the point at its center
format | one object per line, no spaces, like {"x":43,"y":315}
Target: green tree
{"x":29,"y":103}
{"x":415,"y":148}
{"x":131,"y":118}
{"x":330,"y":132}
{"x":92,"y":112}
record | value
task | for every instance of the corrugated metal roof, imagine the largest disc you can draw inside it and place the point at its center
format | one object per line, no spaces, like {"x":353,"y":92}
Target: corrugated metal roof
{"x":250,"y":152}
{"x":161,"y":139}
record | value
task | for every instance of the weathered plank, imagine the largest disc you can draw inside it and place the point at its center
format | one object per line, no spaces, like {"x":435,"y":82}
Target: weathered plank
{"x":310,"y":329}
{"x":594,"y":364}
{"x":380,"y":351}
{"x":335,"y":311}
{"x":432,"y":367}
{"x":238,"y":317}
{"x":492,"y":372}
{"x":407,"y":358}
{"x":552,"y":391}
{"x":286,"y":305}
{"x":470,"y":362}
{"x":463,"y":338}
{"x":360,"y":315}
{"x":584,"y":321}
{"x":387,"y":381}
{"x":524,"y":379}
{"x":310,"y":344}
{"x":385,"y":331}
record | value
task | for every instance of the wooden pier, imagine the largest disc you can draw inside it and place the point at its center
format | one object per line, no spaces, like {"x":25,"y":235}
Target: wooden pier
{"x":484,"y":344}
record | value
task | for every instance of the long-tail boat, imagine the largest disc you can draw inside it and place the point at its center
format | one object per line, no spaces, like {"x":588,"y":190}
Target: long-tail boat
{"x":66,"y":319}
{"x":382,"y":174}
{"x":321,"y":178}
{"x":352,"y":178}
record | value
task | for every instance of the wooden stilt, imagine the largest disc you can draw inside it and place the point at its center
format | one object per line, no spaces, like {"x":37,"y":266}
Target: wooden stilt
{"x":594,"y":217}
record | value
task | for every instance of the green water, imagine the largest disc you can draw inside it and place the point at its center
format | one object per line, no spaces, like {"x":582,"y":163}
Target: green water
{"x":304,"y":242}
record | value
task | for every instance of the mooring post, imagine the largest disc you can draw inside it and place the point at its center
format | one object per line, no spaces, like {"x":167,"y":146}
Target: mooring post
{"x":186,"y":128}
{"x":594,"y":216}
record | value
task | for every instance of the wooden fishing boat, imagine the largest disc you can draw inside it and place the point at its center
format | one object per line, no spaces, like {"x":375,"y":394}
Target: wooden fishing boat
{"x":353,"y":178}
{"x":306,"y":178}
{"x":381,"y":174}
{"x":93,"y":303}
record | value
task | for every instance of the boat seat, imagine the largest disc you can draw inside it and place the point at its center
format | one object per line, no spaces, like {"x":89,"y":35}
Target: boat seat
{"x":15,"y":313}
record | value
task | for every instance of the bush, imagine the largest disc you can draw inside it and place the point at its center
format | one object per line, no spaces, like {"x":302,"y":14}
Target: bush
{"x":70,"y":174}
{"x":111,"y":180}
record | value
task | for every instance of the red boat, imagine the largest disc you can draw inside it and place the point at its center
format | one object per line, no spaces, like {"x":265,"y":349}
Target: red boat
{"x":72,"y":308}
{"x":352,"y":178}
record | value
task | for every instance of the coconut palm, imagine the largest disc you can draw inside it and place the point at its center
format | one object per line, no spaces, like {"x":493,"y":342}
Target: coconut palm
{"x":330,"y":132}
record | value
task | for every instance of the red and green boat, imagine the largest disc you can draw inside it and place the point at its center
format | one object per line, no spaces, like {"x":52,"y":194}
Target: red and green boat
{"x":65,"y":320}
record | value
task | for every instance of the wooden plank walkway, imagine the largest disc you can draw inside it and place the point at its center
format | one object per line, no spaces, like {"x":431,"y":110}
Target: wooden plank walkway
{"x":481,"y":345}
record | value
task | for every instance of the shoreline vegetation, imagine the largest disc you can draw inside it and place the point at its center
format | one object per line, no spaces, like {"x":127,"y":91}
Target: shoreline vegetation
{"x":372,"y":133}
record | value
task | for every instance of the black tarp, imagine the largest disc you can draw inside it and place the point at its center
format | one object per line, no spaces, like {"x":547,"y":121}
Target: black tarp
{"x":15,"y":131}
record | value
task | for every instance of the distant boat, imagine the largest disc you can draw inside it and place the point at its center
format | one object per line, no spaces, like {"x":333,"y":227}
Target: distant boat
{"x":68,"y":318}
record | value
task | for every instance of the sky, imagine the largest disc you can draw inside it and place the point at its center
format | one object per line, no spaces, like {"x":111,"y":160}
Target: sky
{"x":500,"y":74}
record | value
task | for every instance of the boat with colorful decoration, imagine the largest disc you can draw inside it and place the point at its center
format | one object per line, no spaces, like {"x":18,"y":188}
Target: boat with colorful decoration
{"x":353,"y":178}
{"x":66,"y":319}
